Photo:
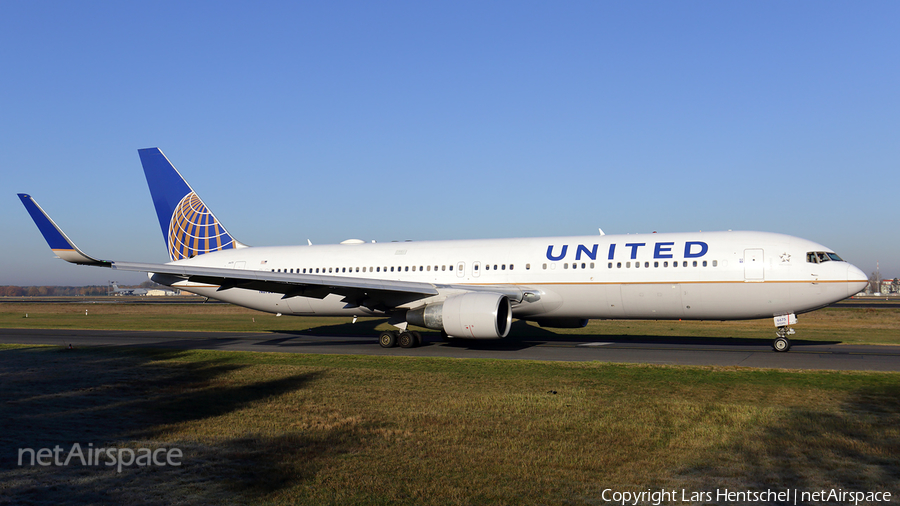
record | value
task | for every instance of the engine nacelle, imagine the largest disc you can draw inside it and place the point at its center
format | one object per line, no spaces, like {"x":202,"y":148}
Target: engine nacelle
{"x":473,"y":315}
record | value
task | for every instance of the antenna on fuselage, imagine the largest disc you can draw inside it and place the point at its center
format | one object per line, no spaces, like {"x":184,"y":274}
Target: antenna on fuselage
{"x":601,"y":231}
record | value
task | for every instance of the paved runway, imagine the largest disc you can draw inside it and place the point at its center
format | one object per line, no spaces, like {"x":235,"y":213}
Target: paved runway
{"x":649,"y":350}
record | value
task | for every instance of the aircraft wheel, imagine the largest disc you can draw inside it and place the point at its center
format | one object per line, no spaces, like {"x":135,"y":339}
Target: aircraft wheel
{"x":781,"y":344}
{"x":387,"y":339}
{"x":406,"y":340}
{"x":418,"y":337}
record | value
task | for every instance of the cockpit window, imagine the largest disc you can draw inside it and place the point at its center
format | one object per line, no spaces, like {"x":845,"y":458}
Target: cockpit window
{"x":817,"y":257}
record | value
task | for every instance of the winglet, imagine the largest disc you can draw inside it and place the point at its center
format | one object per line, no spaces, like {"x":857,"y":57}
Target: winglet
{"x":188,"y":226}
{"x":55,"y":237}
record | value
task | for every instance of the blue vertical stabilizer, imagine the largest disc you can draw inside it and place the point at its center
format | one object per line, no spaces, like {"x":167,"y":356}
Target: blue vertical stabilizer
{"x":188,"y":226}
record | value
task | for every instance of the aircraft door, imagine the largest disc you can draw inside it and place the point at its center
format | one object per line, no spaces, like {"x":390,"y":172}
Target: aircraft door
{"x":754,"y":268}
{"x":476,"y":269}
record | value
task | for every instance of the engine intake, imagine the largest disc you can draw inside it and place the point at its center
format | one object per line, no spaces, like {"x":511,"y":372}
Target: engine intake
{"x":472,"y":315}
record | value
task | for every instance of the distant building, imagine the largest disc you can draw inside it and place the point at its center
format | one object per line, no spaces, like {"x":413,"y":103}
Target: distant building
{"x":154,"y":292}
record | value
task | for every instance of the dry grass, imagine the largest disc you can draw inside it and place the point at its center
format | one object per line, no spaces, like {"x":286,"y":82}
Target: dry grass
{"x":834,"y":325}
{"x":318,"y":429}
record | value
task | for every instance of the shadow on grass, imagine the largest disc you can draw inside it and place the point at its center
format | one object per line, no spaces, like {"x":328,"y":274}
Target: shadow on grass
{"x":855,"y":449}
{"x":522,"y":336}
{"x":111,"y":399}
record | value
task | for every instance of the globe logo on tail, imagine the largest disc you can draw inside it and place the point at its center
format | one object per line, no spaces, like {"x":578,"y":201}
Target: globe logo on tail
{"x":193,"y":230}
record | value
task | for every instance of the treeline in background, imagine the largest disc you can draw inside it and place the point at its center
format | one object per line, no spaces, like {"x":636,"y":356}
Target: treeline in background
{"x":51,"y":291}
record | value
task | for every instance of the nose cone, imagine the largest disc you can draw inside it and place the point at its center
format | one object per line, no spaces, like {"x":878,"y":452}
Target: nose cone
{"x":856,"y":280}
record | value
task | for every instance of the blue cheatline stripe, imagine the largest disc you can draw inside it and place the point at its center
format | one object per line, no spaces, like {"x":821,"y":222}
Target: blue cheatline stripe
{"x":51,"y":233}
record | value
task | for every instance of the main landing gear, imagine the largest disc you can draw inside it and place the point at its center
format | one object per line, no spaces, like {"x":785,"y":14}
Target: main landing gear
{"x":781,"y":342}
{"x":406,"y":339}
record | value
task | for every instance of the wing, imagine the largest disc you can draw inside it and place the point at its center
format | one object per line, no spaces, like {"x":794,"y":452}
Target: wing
{"x":376,"y":294}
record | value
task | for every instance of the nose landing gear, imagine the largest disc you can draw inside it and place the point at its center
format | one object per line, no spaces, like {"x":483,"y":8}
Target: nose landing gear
{"x":781,"y":342}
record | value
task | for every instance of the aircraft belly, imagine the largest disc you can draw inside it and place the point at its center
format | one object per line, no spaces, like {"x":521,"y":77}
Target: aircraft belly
{"x":695,"y":301}
{"x":737,"y":301}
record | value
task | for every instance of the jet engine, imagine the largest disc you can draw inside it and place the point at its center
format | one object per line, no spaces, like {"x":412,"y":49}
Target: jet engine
{"x":472,"y":315}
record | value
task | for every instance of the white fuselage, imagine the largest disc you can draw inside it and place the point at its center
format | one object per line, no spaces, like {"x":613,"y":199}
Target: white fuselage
{"x":703,"y":275}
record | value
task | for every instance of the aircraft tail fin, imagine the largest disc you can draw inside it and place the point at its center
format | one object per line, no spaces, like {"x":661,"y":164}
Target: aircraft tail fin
{"x":58,"y":241}
{"x":188,"y":226}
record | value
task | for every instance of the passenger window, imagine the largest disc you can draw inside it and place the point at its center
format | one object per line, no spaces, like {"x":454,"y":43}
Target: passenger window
{"x":566,"y":265}
{"x":503,"y":268}
{"x":545,"y":267}
{"x":392,"y":269}
{"x":684,"y":264}
{"x":618,"y":265}
{"x":695,"y":263}
{"x":476,"y":266}
{"x":527,"y":267}
{"x":715,"y":263}
{"x":428,"y":268}
{"x":637,"y":265}
{"x":666,"y":263}
{"x":592,"y":265}
{"x":628,"y":264}
{"x":704,"y":263}
{"x":610,"y":265}
{"x":406,"y":269}
{"x":510,"y":266}
{"x":443,"y":267}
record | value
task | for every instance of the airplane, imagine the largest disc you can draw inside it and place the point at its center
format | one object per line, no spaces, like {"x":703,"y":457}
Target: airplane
{"x":474,"y":288}
{"x":128,"y":291}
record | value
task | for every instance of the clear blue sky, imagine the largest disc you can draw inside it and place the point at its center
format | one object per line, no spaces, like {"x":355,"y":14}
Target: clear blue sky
{"x":449,"y":120}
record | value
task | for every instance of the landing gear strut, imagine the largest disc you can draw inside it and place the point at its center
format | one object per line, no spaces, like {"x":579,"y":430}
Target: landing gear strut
{"x":781,"y":342}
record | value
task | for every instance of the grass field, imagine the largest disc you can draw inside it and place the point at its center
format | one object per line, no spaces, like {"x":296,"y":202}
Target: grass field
{"x":268,"y":428}
{"x":841,"y":325}
{"x":263,"y":428}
